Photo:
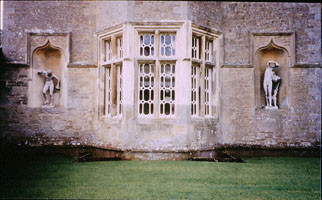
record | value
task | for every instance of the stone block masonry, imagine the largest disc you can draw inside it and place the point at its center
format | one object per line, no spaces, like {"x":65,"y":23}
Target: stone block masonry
{"x":245,"y":36}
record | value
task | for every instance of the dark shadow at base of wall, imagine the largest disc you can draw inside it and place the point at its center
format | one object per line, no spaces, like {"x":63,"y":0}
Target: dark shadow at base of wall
{"x":222,"y":154}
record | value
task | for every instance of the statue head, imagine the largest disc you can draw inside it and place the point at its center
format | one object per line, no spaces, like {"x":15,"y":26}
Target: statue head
{"x":272,"y":64}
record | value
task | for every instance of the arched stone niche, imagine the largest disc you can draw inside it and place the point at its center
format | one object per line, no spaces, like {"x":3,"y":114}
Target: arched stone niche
{"x":272,"y":52}
{"x":46,"y":57}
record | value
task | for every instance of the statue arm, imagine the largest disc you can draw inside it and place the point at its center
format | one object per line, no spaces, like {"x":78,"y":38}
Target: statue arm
{"x":41,"y":72}
{"x":58,"y":82}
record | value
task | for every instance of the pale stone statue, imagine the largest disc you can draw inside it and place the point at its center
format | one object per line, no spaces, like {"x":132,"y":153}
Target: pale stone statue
{"x":276,"y":84}
{"x":271,"y":84}
{"x":50,"y":82}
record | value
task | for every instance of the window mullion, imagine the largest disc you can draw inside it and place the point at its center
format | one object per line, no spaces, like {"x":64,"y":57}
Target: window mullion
{"x":113,"y":48}
{"x":114,"y":90}
{"x":157,"y":89}
{"x":157,"y":44}
{"x":157,"y":75}
{"x":119,"y":90}
{"x":202,"y":75}
{"x":107,"y":93}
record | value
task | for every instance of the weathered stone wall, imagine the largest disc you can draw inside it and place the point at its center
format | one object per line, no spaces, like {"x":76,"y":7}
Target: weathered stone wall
{"x":240,"y":120}
{"x":38,"y":126}
{"x":13,"y":84}
{"x":111,"y":13}
{"x":157,"y":10}
{"x":20,"y":17}
{"x":241,"y":19}
{"x":207,"y":13}
{"x":52,"y":126}
{"x":82,"y":88}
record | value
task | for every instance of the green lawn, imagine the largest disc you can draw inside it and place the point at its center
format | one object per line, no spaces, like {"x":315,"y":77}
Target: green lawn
{"x":257,"y":178}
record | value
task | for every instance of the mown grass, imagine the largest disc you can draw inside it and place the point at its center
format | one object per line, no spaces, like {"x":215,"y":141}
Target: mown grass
{"x":61,"y":177}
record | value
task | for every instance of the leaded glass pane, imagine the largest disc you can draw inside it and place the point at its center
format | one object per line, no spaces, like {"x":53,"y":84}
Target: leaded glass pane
{"x":195,"y":90}
{"x":195,"y":48}
{"x":167,"y":90}
{"x":146,"y":45}
{"x":208,"y":50}
{"x":108,"y":91}
{"x":119,"y":89}
{"x":167,"y":45}
{"x":108,"y":50}
{"x":119,"y":48}
{"x":146,"y":87}
{"x":207,"y":91}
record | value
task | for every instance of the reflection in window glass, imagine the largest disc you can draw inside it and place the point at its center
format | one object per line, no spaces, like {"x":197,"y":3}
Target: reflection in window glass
{"x":167,"y":44}
{"x":147,"y":45}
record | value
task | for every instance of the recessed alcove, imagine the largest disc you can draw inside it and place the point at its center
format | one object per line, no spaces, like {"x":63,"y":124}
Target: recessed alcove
{"x":271,"y":52}
{"x":47,"y":57}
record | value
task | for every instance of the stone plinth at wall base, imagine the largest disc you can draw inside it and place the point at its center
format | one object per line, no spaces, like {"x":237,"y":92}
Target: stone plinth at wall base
{"x":268,"y":151}
{"x":135,"y":155}
{"x":222,"y":153}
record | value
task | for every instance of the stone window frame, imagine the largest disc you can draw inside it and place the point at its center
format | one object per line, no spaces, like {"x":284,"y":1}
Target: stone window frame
{"x":111,"y":92}
{"x":204,"y":64}
{"x":184,"y":30}
{"x":195,"y":89}
{"x":157,"y":60}
{"x":196,"y":47}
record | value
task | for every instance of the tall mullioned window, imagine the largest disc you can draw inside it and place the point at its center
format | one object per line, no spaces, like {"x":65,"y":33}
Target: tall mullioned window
{"x":156,"y":79}
{"x":159,"y":56}
{"x":208,"y":91}
{"x":146,"y":89}
{"x":108,"y":91}
{"x":195,"y":90}
{"x":202,"y":76}
{"x":119,"y":89}
{"x":167,"y":89}
{"x":112,"y":47}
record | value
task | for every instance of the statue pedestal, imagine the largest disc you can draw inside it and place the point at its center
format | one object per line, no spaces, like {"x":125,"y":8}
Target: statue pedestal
{"x":47,"y":106}
{"x":271,"y":107}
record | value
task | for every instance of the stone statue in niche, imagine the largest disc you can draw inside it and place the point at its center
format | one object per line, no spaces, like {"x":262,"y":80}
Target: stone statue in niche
{"x":51,"y":83}
{"x":271,"y":84}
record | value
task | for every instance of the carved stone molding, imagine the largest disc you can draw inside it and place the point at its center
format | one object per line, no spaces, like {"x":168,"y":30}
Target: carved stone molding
{"x":272,"y":46}
{"x":236,"y":66}
{"x":308,"y":65}
{"x":47,"y":51}
{"x":284,"y":40}
{"x":81,"y":65}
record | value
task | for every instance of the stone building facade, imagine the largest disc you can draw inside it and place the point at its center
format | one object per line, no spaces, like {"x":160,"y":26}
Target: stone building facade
{"x":160,"y":79}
